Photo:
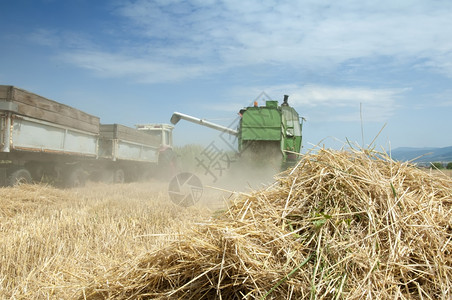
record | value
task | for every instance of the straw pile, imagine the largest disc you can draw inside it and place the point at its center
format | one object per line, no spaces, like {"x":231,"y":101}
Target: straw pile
{"x":340,"y":225}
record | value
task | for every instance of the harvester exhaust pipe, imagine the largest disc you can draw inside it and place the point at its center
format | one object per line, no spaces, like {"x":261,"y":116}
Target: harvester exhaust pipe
{"x":176,"y":117}
{"x":286,"y":100}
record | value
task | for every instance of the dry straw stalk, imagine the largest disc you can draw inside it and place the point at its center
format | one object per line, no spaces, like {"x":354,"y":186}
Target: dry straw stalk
{"x":341,"y":225}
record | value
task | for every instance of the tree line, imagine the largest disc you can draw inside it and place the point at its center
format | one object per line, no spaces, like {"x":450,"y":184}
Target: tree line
{"x":440,"y":165}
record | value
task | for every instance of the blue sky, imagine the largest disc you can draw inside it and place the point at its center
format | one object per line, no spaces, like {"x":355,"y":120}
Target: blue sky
{"x":350,"y":67}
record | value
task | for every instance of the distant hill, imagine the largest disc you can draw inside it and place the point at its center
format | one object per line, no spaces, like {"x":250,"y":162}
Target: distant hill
{"x":426,"y":155}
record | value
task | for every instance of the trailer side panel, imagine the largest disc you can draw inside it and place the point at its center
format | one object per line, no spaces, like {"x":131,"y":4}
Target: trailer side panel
{"x":121,"y":132}
{"x":33,"y":135}
{"x":119,"y":142}
{"x":35,"y":106}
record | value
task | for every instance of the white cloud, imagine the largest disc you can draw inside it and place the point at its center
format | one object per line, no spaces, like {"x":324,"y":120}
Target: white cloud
{"x":299,"y":33}
{"x":140,"y":69}
{"x":313,"y":95}
{"x":322,"y":103}
{"x":442,"y":63}
{"x":336,"y":102}
{"x":44,"y":37}
{"x":61,"y":39}
{"x":196,"y":38}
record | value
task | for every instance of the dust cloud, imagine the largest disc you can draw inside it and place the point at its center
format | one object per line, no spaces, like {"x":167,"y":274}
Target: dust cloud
{"x":243,"y":176}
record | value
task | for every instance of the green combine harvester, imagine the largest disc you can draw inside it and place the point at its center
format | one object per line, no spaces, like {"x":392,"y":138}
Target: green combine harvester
{"x":264,"y":132}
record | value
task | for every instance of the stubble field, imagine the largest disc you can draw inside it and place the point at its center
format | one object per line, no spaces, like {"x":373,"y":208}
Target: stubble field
{"x":55,"y":242}
{"x":340,"y":225}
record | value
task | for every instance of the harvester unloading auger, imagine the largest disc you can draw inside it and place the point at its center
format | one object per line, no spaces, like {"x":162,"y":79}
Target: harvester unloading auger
{"x":263,"y":132}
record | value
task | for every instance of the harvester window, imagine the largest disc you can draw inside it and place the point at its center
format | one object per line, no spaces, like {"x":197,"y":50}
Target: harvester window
{"x":291,"y":122}
{"x":166,"y":142}
{"x":156,"y":135}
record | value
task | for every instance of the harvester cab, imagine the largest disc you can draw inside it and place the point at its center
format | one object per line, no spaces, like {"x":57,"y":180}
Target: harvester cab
{"x":264,"y":132}
{"x":161,"y":133}
{"x":162,"y":137}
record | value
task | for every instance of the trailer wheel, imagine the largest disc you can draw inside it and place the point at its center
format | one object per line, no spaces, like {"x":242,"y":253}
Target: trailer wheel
{"x":36,"y":170}
{"x":75,"y":177}
{"x":19,"y":176}
{"x":119,"y":176}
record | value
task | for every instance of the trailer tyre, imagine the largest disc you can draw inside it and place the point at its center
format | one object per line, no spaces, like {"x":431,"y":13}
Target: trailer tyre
{"x":36,"y":170}
{"x":75,"y":178}
{"x":20,"y":176}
